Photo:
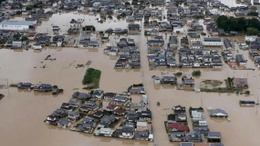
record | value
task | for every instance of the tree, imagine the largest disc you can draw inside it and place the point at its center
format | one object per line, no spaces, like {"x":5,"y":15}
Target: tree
{"x":252,"y":14}
{"x":178,"y":74}
{"x":17,"y":35}
{"x":253,"y":23}
{"x":24,"y":38}
{"x":196,"y":73}
{"x":134,"y":2}
{"x":237,"y":24}
{"x":252,"y":31}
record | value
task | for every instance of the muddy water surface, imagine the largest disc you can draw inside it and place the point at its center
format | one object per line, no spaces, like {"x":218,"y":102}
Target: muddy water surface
{"x":23,"y":112}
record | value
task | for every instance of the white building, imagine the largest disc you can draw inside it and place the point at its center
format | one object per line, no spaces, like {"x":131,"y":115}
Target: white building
{"x":141,"y":126}
{"x":178,"y":30}
{"x":251,"y":38}
{"x":212,"y":42}
{"x":17,"y":25}
{"x":197,"y":115}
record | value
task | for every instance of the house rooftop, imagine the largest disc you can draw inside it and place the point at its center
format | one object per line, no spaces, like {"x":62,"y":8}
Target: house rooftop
{"x":240,"y":81}
{"x":17,"y":23}
{"x":214,"y":134}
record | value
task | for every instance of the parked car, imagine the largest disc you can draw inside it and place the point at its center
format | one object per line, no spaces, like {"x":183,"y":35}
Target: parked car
{"x":24,"y":86}
{"x":43,"y":87}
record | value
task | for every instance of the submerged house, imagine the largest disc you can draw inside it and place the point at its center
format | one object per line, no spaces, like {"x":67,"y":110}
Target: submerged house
{"x":107,"y":132}
{"x":177,"y":136}
{"x":142,"y":135}
{"x":134,"y":27}
{"x":218,"y":113}
{"x":188,"y":82}
{"x":172,"y":80}
{"x":214,"y":137}
{"x":63,"y":123}
{"x":87,"y":125}
{"x":119,"y":100}
{"x":240,"y":59}
{"x":240,"y":82}
{"x":212,"y":42}
{"x":107,"y":121}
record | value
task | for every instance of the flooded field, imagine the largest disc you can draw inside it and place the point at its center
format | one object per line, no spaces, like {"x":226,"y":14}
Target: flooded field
{"x":23,"y":112}
{"x":87,"y":20}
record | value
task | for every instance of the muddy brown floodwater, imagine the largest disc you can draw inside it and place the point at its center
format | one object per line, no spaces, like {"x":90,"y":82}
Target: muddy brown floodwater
{"x":23,"y":112}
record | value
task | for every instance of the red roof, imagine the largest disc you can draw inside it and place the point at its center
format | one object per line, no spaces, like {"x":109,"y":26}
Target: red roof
{"x":112,"y":106}
{"x":233,"y":63}
{"x":119,"y":111}
{"x":177,"y":126}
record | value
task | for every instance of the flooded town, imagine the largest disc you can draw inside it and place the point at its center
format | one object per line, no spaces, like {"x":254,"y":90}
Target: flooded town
{"x":137,"y":72}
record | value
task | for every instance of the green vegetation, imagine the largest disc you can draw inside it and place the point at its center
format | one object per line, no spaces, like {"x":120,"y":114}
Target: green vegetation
{"x":31,"y":7}
{"x":135,"y":85}
{"x":230,"y":88}
{"x":18,"y":12}
{"x":199,"y":17}
{"x":178,"y":74}
{"x":171,"y":117}
{"x":121,"y":16}
{"x":247,"y":92}
{"x":55,"y":86}
{"x":24,"y":38}
{"x":229,"y":82}
{"x":252,"y":31}
{"x":2,"y":41}
{"x":127,"y":3}
{"x":222,"y":90}
{"x":17,"y":35}
{"x":89,"y":28}
{"x":134,"y":2}
{"x":238,"y":24}
{"x":252,"y":14}
{"x":110,"y":17}
{"x":203,"y":33}
{"x":213,"y":83}
{"x":196,"y":73}
{"x":158,"y":103}
{"x":92,"y":76}
{"x":138,"y":85}
{"x":168,"y":130}
{"x":145,"y":32}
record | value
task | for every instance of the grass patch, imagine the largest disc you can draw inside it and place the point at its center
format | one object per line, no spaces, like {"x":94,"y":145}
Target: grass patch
{"x":92,"y":77}
{"x":213,"y":83}
{"x":222,"y":90}
{"x":230,"y":88}
{"x":196,"y":73}
{"x":167,"y":129}
{"x":178,"y":74}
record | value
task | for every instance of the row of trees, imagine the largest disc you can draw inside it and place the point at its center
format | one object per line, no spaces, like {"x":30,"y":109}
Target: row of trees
{"x":250,"y":26}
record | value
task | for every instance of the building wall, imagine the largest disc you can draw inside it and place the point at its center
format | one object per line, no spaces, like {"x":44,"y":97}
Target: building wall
{"x":212,"y":43}
{"x":14,"y":27}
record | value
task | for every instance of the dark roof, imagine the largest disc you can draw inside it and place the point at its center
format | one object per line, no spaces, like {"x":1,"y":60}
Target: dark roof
{"x":212,"y":39}
{"x":228,"y":43}
{"x":214,"y":134}
{"x":240,"y":58}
